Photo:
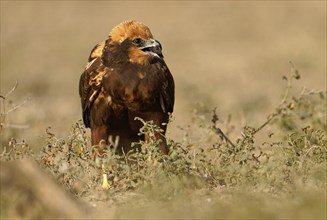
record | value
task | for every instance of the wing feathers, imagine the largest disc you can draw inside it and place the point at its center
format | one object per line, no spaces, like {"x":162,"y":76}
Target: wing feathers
{"x":90,"y":82}
{"x":167,"y":93}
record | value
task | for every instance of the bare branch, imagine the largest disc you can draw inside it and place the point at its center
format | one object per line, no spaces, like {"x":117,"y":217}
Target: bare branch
{"x":15,"y":126}
{"x":17,"y":106}
{"x":218,"y":131}
{"x":11,"y":91}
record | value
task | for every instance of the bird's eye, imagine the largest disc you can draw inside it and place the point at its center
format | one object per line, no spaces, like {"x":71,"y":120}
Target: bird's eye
{"x":137,"y":41}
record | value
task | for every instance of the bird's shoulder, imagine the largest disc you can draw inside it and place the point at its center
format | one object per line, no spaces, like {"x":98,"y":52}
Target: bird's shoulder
{"x":91,"y":81}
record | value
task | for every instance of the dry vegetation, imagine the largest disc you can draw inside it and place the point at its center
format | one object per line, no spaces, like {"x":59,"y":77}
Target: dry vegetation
{"x":260,"y":154}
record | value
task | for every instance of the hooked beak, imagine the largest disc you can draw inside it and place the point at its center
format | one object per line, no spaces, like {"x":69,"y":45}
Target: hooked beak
{"x":150,"y":43}
{"x":153,"y":47}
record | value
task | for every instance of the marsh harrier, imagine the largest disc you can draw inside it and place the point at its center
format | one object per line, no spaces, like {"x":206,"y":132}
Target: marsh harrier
{"x":126,"y":77}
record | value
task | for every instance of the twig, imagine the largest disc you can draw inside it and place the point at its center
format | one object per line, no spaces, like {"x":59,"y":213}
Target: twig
{"x":4,"y":112}
{"x":218,"y":130}
{"x":263,"y":125}
{"x":11,"y":91}
{"x":15,"y":126}
{"x":296,"y":75}
{"x":17,"y":106}
{"x":223,"y":136}
{"x":126,"y":160}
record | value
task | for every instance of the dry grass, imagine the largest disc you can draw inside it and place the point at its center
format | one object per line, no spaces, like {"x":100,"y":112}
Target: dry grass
{"x":226,"y":55}
{"x":213,"y":176}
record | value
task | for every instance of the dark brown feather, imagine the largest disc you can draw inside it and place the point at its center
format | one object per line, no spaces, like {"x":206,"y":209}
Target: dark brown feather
{"x":123,"y":81}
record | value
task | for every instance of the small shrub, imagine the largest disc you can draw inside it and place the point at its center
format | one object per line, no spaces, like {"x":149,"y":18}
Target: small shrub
{"x":293,"y":161}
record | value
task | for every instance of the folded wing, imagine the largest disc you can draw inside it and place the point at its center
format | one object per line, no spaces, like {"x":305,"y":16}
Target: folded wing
{"x":91,"y":82}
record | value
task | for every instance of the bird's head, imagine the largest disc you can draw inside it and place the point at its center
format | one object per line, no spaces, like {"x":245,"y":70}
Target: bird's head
{"x":132,"y":41}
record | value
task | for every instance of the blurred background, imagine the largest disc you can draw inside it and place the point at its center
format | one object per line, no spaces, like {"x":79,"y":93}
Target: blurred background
{"x":229,"y":55}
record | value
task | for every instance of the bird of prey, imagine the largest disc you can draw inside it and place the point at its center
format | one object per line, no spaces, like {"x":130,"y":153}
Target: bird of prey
{"x":126,"y":77}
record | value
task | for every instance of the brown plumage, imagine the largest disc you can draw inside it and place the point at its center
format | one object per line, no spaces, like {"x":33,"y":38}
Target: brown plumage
{"x":126,"y":77}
